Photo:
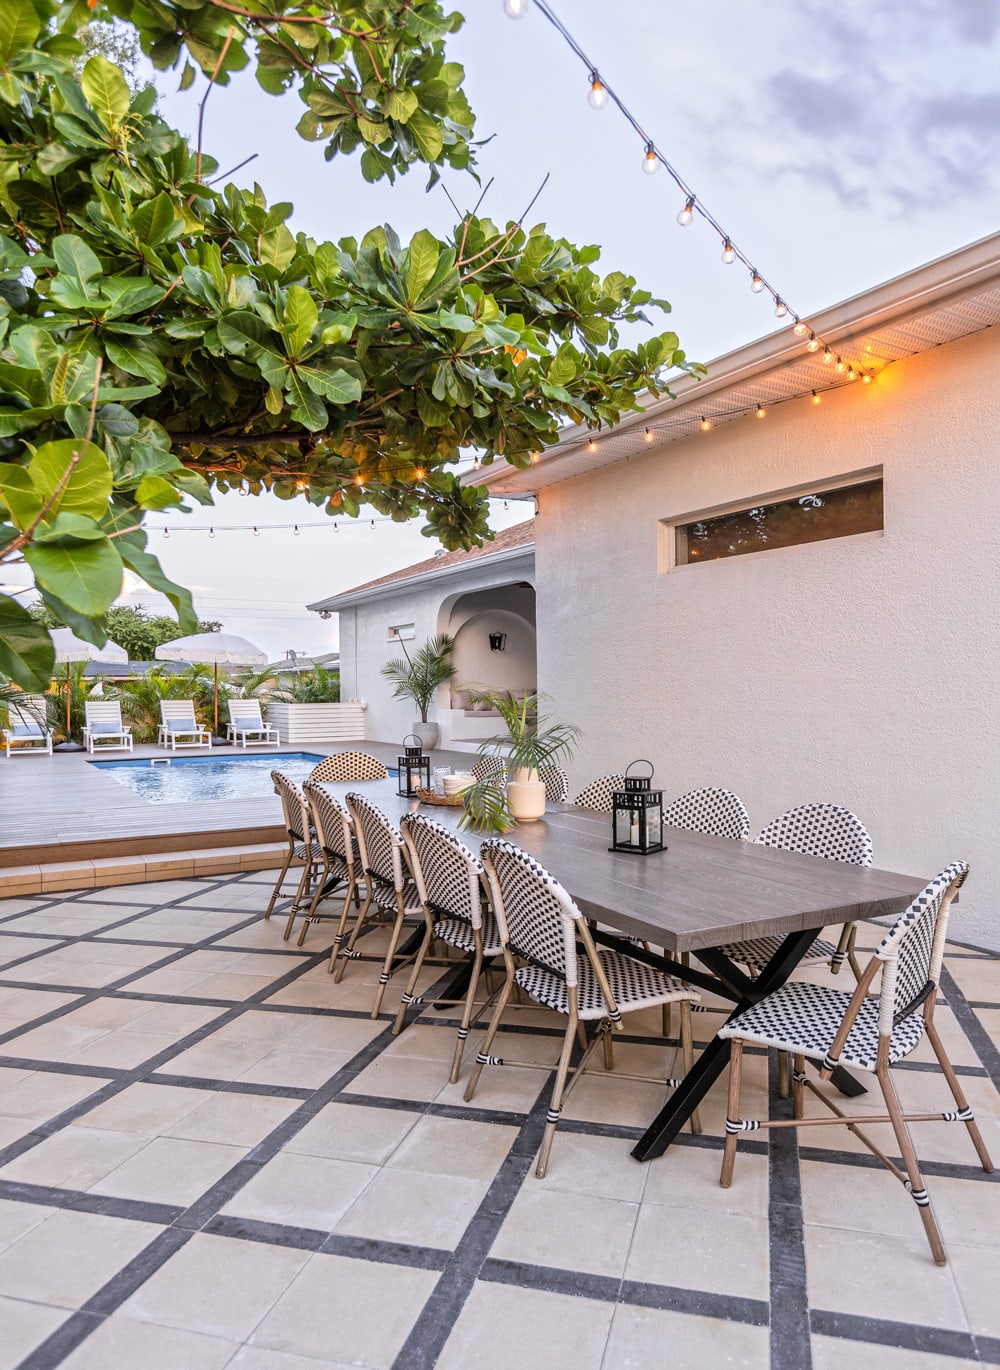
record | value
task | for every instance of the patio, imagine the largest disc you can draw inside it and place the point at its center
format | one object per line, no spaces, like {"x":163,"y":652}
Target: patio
{"x":212,"y":1157}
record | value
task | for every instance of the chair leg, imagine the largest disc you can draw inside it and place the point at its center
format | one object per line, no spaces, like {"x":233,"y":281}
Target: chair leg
{"x":958,"y":1094}
{"x":798,"y":1089}
{"x":280,"y":880}
{"x":463,"y":1031}
{"x":383,"y":979}
{"x":687,"y":1054}
{"x":605,"y":1030}
{"x":301,"y":893}
{"x":783,"y":1087}
{"x":338,"y":936}
{"x":411,"y":985}
{"x":916,"y":1181}
{"x":732,"y":1111}
{"x":359,"y":923}
{"x":483,"y":1055}
{"x":555,"y":1106}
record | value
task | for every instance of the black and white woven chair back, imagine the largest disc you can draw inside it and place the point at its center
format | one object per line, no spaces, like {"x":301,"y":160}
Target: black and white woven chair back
{"x":331,"y":821}
{"x":913,"y":948}
{"x":535,"y":914}
{"x":826,"y":830}
{"x":445,"y":871}
{"x":556,"y":783}
{"x":714,"y":811}
{"x":294,"y":806}
{"x":598,"y":794}
{"x":491,"y":768}
{"x":348,"y":766}
{"x":380,"y":844}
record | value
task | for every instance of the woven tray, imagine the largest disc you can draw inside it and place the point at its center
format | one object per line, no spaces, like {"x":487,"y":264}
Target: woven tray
{"x":447,"y":801}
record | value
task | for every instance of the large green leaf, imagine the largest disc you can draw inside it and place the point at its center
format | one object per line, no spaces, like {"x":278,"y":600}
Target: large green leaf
{"x":106,"y":91}
{"x":331,"y":381}
{"x":300,"y":318}
{"x":424,"y":253}
{"x":75,"y":259}
{"x":85,"y":575}
{"x":26,"y":652}
{"x":19,"y":27}
{"x":90,"y":482}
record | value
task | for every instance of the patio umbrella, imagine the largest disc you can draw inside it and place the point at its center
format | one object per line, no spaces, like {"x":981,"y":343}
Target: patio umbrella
{"x":69,"y":648}
{"x":215,"y":649}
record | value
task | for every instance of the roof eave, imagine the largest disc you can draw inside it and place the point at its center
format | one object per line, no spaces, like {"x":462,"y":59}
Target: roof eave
{"x":525,"y":552}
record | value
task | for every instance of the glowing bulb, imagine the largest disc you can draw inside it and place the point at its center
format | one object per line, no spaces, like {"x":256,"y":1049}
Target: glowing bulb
{"x":756,"y":284}
{"x":598,"y":95}
{"x":256,"y":532}
{"x":841,"y":365}
{"x":827,"y":357}
{"x":799,"y":328}
{"x":244,"y":488}
{"x":359,"y":480}
{"x":706,"y":424}
{"x":295,"y":530}
{"x":650,"y":163}
{"x":516,"y":9}
{"x":866,"y":379}
{"x":685,"y":216}
{"x":780,"y":308}
{"x":301,"y":485}
{"x":816,"y":398}
{"x":535,"y":456}
{"x":420,"y":473}
{"x":373,"y":523}
{"x":476,"y":464}
{"x":648,"y":435}
{"x":166,"y":532}
{"x":592,"y":445}
{"x":336,"y":527}
{"x":813,"y":344}
{"x":211,"y":532}
{"x":761,"y":411}
{"x":852,"y":375}
{"x":728,"y":253}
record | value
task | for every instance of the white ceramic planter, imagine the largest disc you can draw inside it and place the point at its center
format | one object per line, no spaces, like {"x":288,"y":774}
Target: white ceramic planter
{"x":526,"y":796}
{"x":428,"y":734}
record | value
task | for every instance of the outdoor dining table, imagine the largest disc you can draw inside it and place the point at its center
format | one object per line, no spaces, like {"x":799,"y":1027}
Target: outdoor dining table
{"x":692,"y":897}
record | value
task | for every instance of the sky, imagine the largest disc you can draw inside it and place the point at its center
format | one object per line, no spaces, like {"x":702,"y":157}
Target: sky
{"x":838,"y":144}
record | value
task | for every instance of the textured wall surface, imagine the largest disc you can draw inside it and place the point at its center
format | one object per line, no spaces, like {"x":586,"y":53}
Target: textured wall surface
{"x":862,"y":671}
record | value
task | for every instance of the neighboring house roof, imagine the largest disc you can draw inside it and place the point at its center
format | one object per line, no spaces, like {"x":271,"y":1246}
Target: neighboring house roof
{"x":512,"y":542}
{"x":938,"y":303}
{"x":126,"y":670}
{"x":294,"y":665}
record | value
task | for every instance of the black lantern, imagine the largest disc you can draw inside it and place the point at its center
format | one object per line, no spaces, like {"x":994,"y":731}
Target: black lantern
{"x":498,"y":641}
{"x":637,"y":814}
{"x":414,"y":769}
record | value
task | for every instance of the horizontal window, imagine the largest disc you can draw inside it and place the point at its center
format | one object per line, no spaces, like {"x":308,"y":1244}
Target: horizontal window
{"x":814,"y":516}
{"x":401,"y":631}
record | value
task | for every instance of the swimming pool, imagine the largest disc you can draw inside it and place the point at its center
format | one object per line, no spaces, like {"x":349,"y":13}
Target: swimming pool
{"x":195,"y":779}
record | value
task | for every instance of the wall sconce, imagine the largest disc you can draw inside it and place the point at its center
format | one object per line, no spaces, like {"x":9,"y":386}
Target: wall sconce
{"x":498,"y":642}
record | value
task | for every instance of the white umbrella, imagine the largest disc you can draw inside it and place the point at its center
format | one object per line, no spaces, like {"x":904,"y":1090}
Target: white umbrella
{"x":215,"y":649}
{"x":69,"y":648}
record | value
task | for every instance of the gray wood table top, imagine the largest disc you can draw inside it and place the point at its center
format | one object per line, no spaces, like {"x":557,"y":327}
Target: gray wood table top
{"x":699,"y":892}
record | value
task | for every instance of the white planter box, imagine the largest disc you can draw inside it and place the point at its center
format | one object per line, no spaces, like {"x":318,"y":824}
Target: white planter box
{"x":311,"y":723}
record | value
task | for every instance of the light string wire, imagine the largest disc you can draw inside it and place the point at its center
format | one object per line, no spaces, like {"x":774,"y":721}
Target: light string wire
{"x":167,"y":530}
{"x":600,"y":93}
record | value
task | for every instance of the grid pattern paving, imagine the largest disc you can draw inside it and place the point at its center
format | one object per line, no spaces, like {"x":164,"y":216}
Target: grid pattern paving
{"x":211,"y":1156}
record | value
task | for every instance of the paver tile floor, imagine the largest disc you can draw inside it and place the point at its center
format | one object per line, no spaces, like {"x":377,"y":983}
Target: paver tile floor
{"x":211,"y":1157}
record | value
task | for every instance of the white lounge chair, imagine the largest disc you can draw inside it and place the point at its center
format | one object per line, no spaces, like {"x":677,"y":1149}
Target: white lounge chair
{"x":103,"y":728}
{"x":247,"y":728}
{"x":27,"y":729}
{"x":179,"y":727}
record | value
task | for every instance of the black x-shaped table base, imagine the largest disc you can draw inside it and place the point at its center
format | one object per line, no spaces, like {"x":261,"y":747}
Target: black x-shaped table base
{"x":730,"y":982}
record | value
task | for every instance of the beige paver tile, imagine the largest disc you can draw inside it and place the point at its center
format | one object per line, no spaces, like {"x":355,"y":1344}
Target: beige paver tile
{"x":45,"y":1093}
{"x":404,"y":1206}
{"x":676,"y":1246}
{"x":261,"y":1358}
{"x":170,"y":1170}
{"x":881,"y":1276}
{"x":572,"y":1232}
{"x":353,"y":1133}
{"x":17,"y":1218}
{"x":120,"y":1344}
{"x":301,"y":1069}
{"x":454,"y":1147}
{"x":302,"y":1191}
{"x":25,"y":1326}
{"x":69,"y":1256}
{"x":644,"y":1337}
{"x":146,"y":1110}
{"x":73,"y":1158}
{"x":833,"y":1353}
{"x":503,"y":1326}
{"x":238,"y":1119}
{"x":356,"y":1310}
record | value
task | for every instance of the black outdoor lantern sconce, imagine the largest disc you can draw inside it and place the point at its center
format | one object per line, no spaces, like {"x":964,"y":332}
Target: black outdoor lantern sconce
{"x":414,"y":769}
{"x":498,"y":641}
{"x":637,"y":814}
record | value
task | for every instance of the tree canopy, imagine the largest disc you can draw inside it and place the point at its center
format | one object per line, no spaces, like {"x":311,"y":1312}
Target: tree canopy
{"x":164,"y":333}
{"x":134,"y":628}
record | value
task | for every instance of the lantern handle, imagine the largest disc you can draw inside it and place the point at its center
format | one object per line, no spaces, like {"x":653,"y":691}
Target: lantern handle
{"x":421,"y":745}
{"x":640,"y":762}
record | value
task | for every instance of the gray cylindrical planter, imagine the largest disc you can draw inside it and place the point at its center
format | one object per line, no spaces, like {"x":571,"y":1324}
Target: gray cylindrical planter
{"x":428,"y":734}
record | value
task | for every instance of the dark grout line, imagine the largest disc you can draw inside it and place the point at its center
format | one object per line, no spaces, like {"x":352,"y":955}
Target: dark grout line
{"x":791,"y":1345}
{"x":940,"y":1341}
{"x":980,"y":1040}
{"x":82,"y":1201}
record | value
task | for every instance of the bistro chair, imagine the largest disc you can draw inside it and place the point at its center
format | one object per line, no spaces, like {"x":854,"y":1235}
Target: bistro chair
{"x":491,"y":768}
{"x":347,"y":766}
{"x":714,"y":811}
{"x":598,"y":794}
{"x":339,"y":861}
{"x":825,"y":830}
{"x":302,"y":846}
{"x":390,"y":888}
{"x":556,"y":783}
{"x":563,"y":969}
{"x":450,"y":882}
{"x":867,"y":1031}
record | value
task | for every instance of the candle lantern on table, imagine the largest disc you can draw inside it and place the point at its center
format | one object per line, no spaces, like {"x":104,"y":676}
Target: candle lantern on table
{"x":414,"y":768}
{"x":637,"y":814}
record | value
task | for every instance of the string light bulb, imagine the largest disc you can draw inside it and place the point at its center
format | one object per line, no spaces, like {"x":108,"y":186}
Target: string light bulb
{"x":866,"y":379}
{"x":516,"y":9}
{"x":211,"y":532}
{"x":295,"y":530}
{"x":685,"y":215}
{"x":706,"y":424}
{"x":728,"y":253}
{"x":650,"y":163}
{"x":756,"y":284}
{"x":816,"y":398}
{"x":780,"y":308}
{"x":301,"y":485}
{"x":761,"y":411}
{"x":166,"y":532}
{"x":841,"y":364}
{"x":534,"y":457}
{"x":799,"y":328}
{"x":852,"y":375}
{"x":597,"y":96}
{"x":256,"y":531}
{"x":648,"y":435}
{"x":592,"y":445}
{"x":813,"y":344}
{"x":420,"y":473}
{"x":827,"y":357}
{"x":476,"y":464}
{"x":359,"y":480}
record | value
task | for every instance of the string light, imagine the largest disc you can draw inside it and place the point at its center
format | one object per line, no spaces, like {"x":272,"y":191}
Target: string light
{"x":866,"y":379}
{"x":166,"y":532}
{"x":535,"y":456}
{"x":295,"y":530}
{"x":760,"y":411}
{"x":648,"y":435}
{"x":476,"y":464}
{"x":359,"y":480}
{"x":756,"y":284}
{"x":706,"y":424}
{"x":780,"y":308}
{"x":592,"y":445}
{"x":841,"y":364}
{"x":211,"y":532}
{"x":650,"y":163}
{"x":301,"y":485}
{"x":420,"y":472}
{"x":827,"y":357}
{"x":813,"y":344}
{"x":799,"y":329}
{"x":728,"y":253}
{"x":516,"y":9}
{"x":597,"y":97}
{"x":256,"y":532}
{"x":816,"y":398}
{"x":685,"y":215}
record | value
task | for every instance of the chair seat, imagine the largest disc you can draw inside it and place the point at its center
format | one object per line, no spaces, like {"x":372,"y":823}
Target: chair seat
{"x":633,"y":983}
{"x":803,"y":1018}
{"x":458,"y":932}
{"x":308,"y":851}
{"x":757,"y":951}
{"x":384,"y":897}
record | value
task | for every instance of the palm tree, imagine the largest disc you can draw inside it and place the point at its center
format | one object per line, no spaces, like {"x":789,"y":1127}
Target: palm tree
{"x":419,"y":676}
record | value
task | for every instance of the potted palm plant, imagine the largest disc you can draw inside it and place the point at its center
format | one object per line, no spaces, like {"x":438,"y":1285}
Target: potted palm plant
{"x":418,"y":677}
{"x":530,"y":740}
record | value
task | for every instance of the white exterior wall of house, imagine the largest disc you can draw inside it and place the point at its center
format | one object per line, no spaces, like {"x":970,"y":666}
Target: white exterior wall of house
{"x":436,"y":605}
{"x":860,"y":671}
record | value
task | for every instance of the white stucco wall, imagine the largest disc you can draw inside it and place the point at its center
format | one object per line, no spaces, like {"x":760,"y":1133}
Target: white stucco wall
{"x":860,"y":671}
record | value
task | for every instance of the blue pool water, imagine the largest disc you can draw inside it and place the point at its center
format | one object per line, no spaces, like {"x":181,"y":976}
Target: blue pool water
{"x":195,"y":779}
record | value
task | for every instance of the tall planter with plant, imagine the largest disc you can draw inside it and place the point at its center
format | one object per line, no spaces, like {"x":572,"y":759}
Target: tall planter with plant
{"x":530,"y":741}
{"x":419,"y":677}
